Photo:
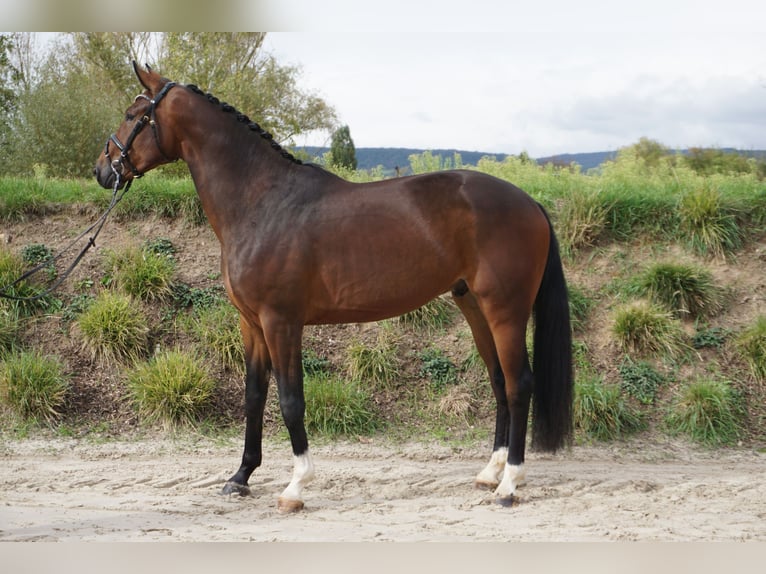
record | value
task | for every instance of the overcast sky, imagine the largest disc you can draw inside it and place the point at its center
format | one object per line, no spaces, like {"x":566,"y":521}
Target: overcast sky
{"x":545,"y":77}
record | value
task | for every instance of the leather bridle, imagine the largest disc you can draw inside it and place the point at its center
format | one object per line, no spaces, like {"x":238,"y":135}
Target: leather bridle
{"x":149,"y":118}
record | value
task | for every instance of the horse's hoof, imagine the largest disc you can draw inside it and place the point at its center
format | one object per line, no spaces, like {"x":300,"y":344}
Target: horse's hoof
{"x":506,"y":501}
{"x":234,"y":488}
{"x":288,"y":505}
{"x":485,"y":484}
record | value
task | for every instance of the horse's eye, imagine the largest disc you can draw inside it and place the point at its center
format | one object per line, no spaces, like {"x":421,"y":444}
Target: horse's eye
{"x":129,"y":117}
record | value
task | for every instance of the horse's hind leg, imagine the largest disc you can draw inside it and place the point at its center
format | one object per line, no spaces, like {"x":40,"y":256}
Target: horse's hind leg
{"x":490,"y":476}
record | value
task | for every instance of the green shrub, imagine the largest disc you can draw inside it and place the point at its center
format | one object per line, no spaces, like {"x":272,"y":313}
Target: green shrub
{"x":640,"y":380}
{"x":708,"y":411}
{"x":751,"y":346}
{"x":709,"y":228}
{"x":198,"y":298}
{"x":378,"y":363}
{"x":172,"y":389}
{"x":113,"y":327}
{"x":710,"y":337}
{"x":647,"y":329}
{"x":217,"y":328}
{"x":140,"y":273}
{"x":684,"y":289}
{"x":337,"y":407}
{"x":33,"y":386}
{"x":439,"y":369}
{"x":601,"y":412}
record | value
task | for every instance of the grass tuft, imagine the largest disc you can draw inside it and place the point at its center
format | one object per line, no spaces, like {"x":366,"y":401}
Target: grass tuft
{"x":601,"y":412}
{"x":141,"y":273}
{"x":378,"y":363}
{"x":684,"y":289}
{"x":33,"y":386}
{"x":751,"y":346}
{"x":173,"y":389}
{"x":113,"y":328}
{"x":708,"y":411}
{"x":709,"y":228}
{"x":217,"y":327}
{"x":647,"y":329}
{"x":431,"y":317}
{"x":337,"y":407}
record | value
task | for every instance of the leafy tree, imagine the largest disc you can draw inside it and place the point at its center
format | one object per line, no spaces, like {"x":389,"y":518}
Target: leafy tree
{"x":342,"y":150}
{"x":234,"y":67}
{"x":650,"y":151}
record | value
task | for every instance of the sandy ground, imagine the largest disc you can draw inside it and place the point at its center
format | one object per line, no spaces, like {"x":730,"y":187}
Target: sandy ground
{"x":80,"y":490}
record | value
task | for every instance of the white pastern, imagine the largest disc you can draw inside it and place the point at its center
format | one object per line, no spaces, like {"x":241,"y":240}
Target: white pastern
{"x":513,"y":475}
{"x":494,"y":469}
{"x":303,"y":473}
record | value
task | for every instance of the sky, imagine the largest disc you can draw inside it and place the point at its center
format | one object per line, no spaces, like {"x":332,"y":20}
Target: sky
{"x":497,"y":76}
{"x":542,"y":77}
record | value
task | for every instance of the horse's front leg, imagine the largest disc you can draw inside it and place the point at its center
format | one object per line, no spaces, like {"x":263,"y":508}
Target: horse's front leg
{"x":285,"y":344}
{"x":258,"y":371}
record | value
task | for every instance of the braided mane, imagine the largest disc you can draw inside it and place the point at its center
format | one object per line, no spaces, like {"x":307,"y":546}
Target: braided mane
{"x":242,"y":118}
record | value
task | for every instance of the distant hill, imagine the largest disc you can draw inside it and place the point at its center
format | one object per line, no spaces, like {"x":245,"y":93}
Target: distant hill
{"x":391,"y":158}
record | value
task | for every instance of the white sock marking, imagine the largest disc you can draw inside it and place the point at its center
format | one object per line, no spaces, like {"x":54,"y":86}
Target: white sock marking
{"x":303,"y":473}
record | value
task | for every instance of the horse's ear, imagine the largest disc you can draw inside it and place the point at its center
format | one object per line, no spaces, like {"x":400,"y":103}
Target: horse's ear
{"x":148,"y":78}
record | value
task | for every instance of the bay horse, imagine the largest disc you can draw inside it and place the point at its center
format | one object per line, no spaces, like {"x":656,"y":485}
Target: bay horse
{"x":301,"y":246}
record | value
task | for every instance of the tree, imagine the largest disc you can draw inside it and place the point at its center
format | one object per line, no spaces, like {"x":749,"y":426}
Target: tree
{"x":342,"y":150}
{"x":234,"y":67}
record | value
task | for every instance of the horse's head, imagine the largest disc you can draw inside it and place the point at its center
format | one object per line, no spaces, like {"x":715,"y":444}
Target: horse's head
{"x":144,"y":139}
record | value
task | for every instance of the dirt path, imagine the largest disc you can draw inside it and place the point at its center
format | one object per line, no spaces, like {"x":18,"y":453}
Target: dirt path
{"x":74,"y":490}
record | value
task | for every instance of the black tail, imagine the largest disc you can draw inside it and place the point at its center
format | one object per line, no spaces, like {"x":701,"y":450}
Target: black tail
{"x":552,"y":361}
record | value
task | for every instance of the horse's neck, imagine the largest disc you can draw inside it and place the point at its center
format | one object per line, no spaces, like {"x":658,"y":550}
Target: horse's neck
{"x":232,"y":179}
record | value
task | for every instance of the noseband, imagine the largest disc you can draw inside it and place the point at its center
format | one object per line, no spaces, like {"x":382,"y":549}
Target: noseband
{"x":118,"y":165}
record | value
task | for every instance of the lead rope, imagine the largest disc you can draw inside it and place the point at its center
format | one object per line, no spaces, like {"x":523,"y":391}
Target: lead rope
{"x":97,"y":225}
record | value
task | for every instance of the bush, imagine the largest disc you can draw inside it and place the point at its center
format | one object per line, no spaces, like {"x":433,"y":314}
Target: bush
{"x":336,"y":407}
{"x":141,"y":273}
{"x":173,"y":389}
{"x":684,"y":289}
{"x":708,"y":411}
{"x":751,"y":346}
{"x":33,"y":385}
{"x":647,"y":329}
{"x":601,"y":412}
{"x":113,"y":327}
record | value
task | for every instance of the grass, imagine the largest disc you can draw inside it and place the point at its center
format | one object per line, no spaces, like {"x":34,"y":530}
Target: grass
{"x":708,"y":411}
{"x":646,"y":329}
{"x":12,"y":267}
{"x":173,"y":389}
{"x":751,"y":346}
{"x":9,"y":331}
{"x":377,"y":364}
{"x":709,"y":227}
{"x":581,"y":219}
{"x":145,"y":274}
{"x":601,"y":412}
{"x":431,"y":317}
{"x":217,"y":328}
{"x":336,"y":407}
{"x":686,"y":290}
{"x":114,"y":328}
{"x":33,"y":386}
